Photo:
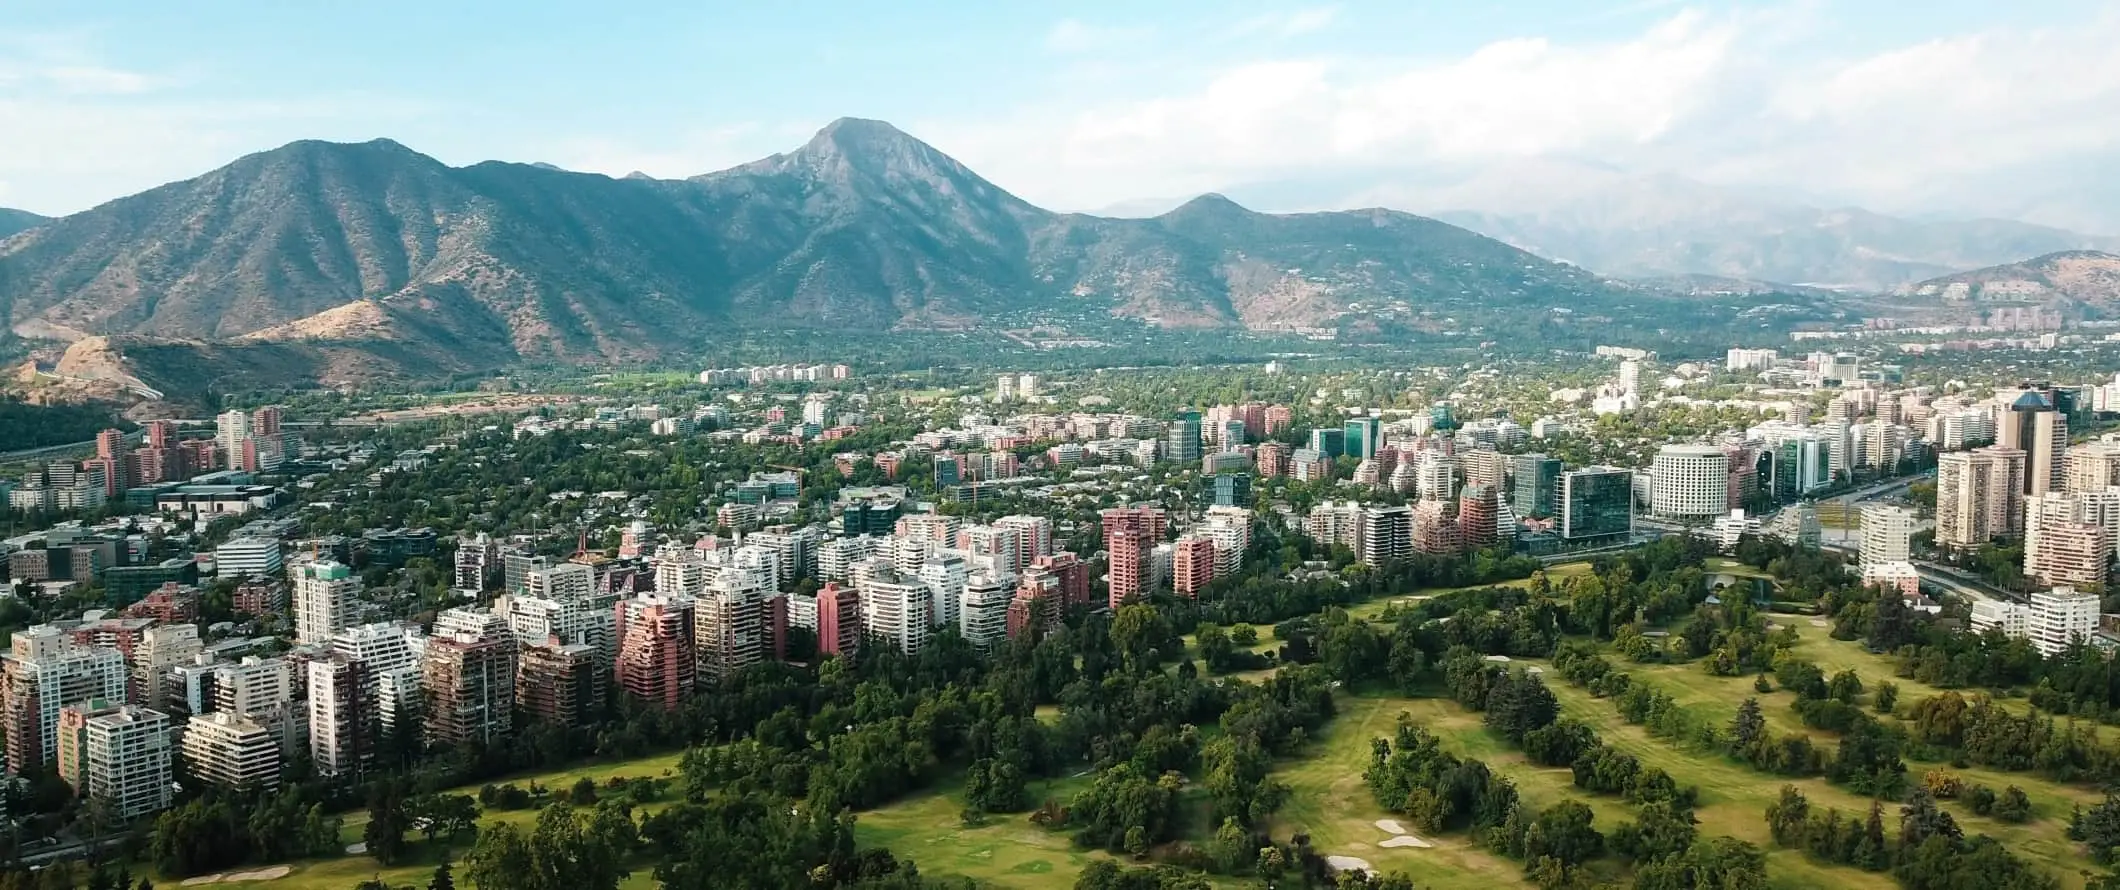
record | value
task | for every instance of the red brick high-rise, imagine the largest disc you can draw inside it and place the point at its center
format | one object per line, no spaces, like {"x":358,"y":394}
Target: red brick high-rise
{"x":838,"y":620}
{"x":1478,"y":519}
{"x":1073,"y":576}
{"x":1036,"y":604}
{"x":558,"y":683}
{"x":265,"y":421}
{"x":1126,"y":555}
{"x":1192,"y":565}
{"x":470,"y":683}
{"x":1278,"y":419}
{"x":658,"y":662}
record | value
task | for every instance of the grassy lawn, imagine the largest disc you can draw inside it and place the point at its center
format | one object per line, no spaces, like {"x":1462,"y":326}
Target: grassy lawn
{"x":1006,"y":851}
{"x":1734,"y":797}
{"x":1556,"y":574}
{"x":1334,"y":806}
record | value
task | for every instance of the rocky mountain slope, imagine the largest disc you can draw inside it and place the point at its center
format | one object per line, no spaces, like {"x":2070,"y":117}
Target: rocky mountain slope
{"x":372,"y":256}
{"x":2088,"y":278}
{"x":12,"y":221}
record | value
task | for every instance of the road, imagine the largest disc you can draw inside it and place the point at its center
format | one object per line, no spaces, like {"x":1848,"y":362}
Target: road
{"x":57,"y":450}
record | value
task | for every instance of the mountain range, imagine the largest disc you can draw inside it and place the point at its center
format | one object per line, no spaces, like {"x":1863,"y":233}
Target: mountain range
{"x":12,"y":221}
{"x":2066,"y":280}
{"x":370,"y":257}
{"x":1643,"y":226}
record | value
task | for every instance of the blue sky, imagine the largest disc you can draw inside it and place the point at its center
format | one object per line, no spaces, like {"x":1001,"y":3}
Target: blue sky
{"x":1946,"y":107}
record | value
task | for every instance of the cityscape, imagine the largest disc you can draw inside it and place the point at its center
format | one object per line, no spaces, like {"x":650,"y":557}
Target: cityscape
{"x":279,"y":599}
{"x":1257,"y":446}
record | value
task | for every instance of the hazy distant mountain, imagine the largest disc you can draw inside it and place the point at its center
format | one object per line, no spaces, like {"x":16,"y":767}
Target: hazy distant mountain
{"x":1638,"y":226}
{"x":1697,"y":285}
{"x":12,"y":221}
{"x":395,"y":260}
{"x":2086,"y":277}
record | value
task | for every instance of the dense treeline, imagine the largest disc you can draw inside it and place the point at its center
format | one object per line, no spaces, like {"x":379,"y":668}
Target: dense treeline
{"x":1440,"y":792}
{"x":24,"y":426}
{"x":1930,"y":852}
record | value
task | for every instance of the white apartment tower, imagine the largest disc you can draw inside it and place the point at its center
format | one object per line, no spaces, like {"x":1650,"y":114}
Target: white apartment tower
{"x":324,"y":596}
{"x":1886,"y":531}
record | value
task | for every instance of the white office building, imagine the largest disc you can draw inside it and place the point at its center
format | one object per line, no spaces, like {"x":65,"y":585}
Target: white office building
{"x":255,"y":557}
{"x":1690,"y":482}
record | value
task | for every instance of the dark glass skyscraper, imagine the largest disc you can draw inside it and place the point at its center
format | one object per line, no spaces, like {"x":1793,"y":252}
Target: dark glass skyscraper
{"x":1534,"y":483}
{"x":1596,"y":504}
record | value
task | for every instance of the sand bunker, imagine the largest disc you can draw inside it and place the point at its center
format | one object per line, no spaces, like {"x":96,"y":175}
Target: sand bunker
{"x":1390,"y":826}
{"x":1348,"y":863}
{"x":1534,"y":670}
{"x":263,"y":874}
{"x":1818,"y":622}
{"x":1498,"y":659}
{"x":1406,"y":840}
{"x":356,"y":849}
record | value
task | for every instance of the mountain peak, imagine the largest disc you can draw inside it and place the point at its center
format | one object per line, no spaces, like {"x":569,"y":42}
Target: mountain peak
{"x":1211,"y":202}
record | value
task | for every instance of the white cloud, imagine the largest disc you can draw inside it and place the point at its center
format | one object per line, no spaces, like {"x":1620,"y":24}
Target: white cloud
{"x":1740,"y":99}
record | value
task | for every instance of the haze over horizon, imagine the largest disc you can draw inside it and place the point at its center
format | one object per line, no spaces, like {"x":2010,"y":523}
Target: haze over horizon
{"x":1954,"y":109}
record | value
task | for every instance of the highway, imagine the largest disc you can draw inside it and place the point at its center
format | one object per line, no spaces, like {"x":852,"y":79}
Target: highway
{"x":131,"y":438}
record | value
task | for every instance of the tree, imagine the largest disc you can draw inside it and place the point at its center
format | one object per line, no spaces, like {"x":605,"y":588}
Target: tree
{"x":2014,"y":806}
{"x":1563,"y":832}
{"x":501,"y":860}
{"x":442,"y":879}
{"x":385,"y":833}
{"x":1749,"y":725}
{"x":583,"y":793}
{"x":1886,"y":697}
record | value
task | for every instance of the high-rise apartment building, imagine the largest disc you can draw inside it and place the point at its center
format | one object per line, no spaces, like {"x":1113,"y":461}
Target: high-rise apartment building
{"x":729,"y":622}
{"x":895,"y":610}
{"x":983,"y":616}
{"x":561,"y":684}
{"x":2092,"y":466}
{"x":46,"y":671}
{"x":161,"y":649}
{"x":658,"y":660}
{"x":2062,"y":617}
{"x":366,"y":688}
{"x":1385,"y":535}
{"x":1192,"y":565}
{"x":117,"y":756}
{"x":1887,"y":530}
{"x":1335,"y":524}
{"x":469,"y":671}
{"x":324,"y":598}
{"x":478,"y":562}
{"x":1126,"y":556}
{"x":1979,"y":496}
{"x":1034,"y":536}
{"x":231,"y":430}
{"x":232,"y":751}
{"x":838,"y":620}
{"x":2061,"y":543}
{"x":255,"y":685}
